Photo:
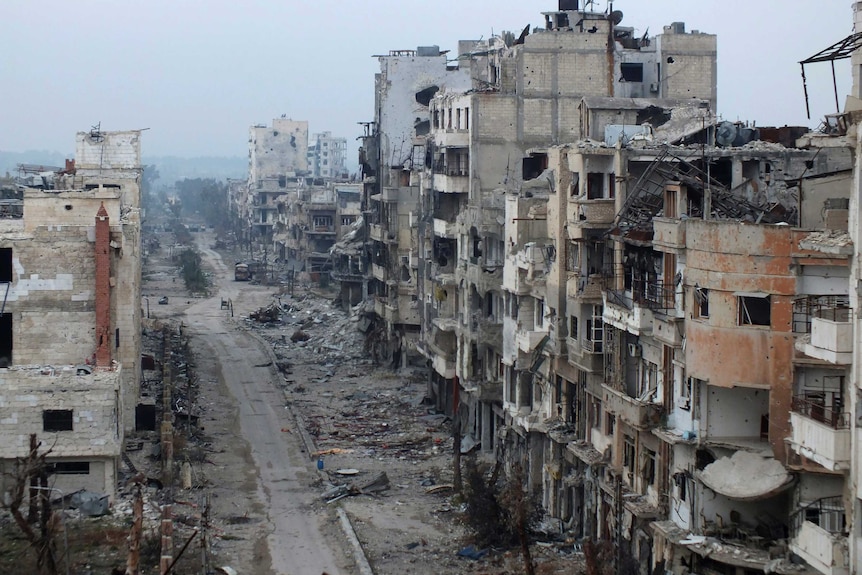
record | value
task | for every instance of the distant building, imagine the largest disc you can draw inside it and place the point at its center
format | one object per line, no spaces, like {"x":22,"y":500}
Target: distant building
{"x":326,"y":157}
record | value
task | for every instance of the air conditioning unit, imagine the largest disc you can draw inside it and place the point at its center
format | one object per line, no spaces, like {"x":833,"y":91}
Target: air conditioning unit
{"x":634,"y":350}
{"x":683,"y":402}
{"x":653,"y":87}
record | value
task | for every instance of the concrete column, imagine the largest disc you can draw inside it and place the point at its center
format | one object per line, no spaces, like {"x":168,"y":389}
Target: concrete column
{"x":856,"y":59}
{"x":103,"y":289}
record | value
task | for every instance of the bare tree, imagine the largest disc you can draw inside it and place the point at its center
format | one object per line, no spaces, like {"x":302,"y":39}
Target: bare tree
{"x":521,"y":513}
{"x":31,"y":474}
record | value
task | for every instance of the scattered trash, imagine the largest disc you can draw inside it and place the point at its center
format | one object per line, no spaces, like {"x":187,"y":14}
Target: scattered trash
{"x":439,"y":488}
{"x":89,"y":503}
{"x":470,"y":552}
{"x":163,"y":300}
{"x":347,"y":471}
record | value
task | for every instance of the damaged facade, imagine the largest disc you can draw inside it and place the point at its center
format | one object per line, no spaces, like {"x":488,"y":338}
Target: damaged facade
{"x":70,"y":323}
{"x":648,"y":308}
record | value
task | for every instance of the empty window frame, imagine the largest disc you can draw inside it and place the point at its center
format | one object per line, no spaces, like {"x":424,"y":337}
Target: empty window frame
{"x":632,"y":72}
{"x":5,"y":265}
{"x":72,"y":468}
{"x":701,"y":302}
{"x":648,"y":466}
{"x":754,"y":309}
{"x":57,"y":420}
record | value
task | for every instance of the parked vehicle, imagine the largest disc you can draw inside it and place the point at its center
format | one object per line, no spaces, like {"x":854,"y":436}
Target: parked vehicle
{"x":241,"y":272}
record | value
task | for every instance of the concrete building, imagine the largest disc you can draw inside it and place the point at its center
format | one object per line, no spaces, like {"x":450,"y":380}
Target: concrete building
{"x":70,"y":324}
{"x":527,"y":93}
{"x":327,"y":156}
{"x":647,"y":308}
{"x":276,"y":154}
{"x":391,"y":161}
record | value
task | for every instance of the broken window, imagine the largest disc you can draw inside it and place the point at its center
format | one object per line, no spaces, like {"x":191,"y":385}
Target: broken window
{"x":573,"y":327}
{"x":72,"y":468}
{"x":534,"y":165}
{"x":632,"y":72}
{"x":575,"y":188}
{"x":322,"y":221}
{"x":596,"y":419}
{"x":628,"y":454}
{"x":595,"y":186}
{"x":701,"y":302}
{"x":648,"y":466}
{"x":540,"y":313}
{"x":466,"y":118}
{"x":57,"y":420}
{"x":754,"y":310}
{"x":610,"y":424}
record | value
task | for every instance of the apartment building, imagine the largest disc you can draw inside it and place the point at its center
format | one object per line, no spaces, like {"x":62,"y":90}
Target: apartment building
{"x":392,"y":159}
{"x":70,"y":342}
{"x":648,"y":308}
{"x":311,"y":218}
{"x":327,"y":156}
{"x":527,"y":94}
{"x":275,"y":155}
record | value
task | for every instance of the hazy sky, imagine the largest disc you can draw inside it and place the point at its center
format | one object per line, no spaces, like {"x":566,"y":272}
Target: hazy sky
{"x":198,"y":73}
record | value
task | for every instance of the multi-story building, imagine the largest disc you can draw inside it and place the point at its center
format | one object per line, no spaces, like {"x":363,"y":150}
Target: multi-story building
{"x":527,"y":94}
{"x":391,"y":160}
{"x":276,"y":155}
{"x":650,"y":309}
{"x":327,"y":156}
{"x":70,"y":331}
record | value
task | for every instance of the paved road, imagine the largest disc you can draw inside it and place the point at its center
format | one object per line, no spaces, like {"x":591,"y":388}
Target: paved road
{"x":300,"y":542}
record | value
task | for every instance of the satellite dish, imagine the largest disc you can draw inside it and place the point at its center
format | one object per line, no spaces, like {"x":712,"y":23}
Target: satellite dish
{"x":617,"y":17}
{"x":725,"y":134}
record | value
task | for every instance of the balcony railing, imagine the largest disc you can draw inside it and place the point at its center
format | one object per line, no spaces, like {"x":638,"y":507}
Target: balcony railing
{"x":655,"y":295}
{"x":817,"y":411}
{"x":827,"y":513}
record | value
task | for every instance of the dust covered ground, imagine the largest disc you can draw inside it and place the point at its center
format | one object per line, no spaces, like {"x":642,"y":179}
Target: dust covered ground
{"x":307,"y":374}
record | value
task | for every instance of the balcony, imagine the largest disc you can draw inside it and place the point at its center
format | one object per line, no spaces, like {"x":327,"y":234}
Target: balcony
{"x":527,"y":341}
{"x":669,"y":234}
{"x":490,"y":333}
{"x":585,"y":289}
{"x":585,"y":354}
{"x":375,"y":231}
{"x":444,"y":229}
{"x":640,"y":414}
{"x":820,"y":434}
{"x":831,"y":337}
{"x":593,"y":213}
{"x":385,"y":310}
{"x":818,"y":536}
{"x":379,"y":272}
{"x":621,"y":312}
{"x":452,"y":181}
{"x":321,"y":230}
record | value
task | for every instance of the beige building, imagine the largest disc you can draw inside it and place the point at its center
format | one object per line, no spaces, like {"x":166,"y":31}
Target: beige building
{"x":71,"y":312}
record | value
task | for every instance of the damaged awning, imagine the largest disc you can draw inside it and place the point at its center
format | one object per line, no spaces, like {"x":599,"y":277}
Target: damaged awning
{"x":838,"y":51}
{"x":746,"y":476}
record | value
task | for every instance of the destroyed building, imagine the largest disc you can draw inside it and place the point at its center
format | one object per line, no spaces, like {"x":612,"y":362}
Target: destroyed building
{"x":648,"y":308}
{"x":70,"y":331}
{"x":327,"y":156}
{"x":391,"y":158}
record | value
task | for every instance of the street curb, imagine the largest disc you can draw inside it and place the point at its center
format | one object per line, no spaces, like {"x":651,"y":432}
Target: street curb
{"x":359,"y":554}
{"x":310,"y":448}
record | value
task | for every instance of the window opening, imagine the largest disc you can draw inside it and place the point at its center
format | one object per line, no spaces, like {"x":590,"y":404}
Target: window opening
{"x":57,"y":420}
{"x":754,"y":310}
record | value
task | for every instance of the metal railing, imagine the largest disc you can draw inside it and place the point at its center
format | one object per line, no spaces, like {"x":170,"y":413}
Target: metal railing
{"x":655,"y":295}
{"x":827,"y":513}
{"x":820,"y":412}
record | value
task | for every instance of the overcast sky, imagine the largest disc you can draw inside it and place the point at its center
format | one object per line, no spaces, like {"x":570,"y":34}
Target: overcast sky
{"x":198,"y":73}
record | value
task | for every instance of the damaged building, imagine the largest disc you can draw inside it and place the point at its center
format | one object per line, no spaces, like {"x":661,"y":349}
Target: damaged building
{"x":647,"y":308}
{"x":70,"y":331}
